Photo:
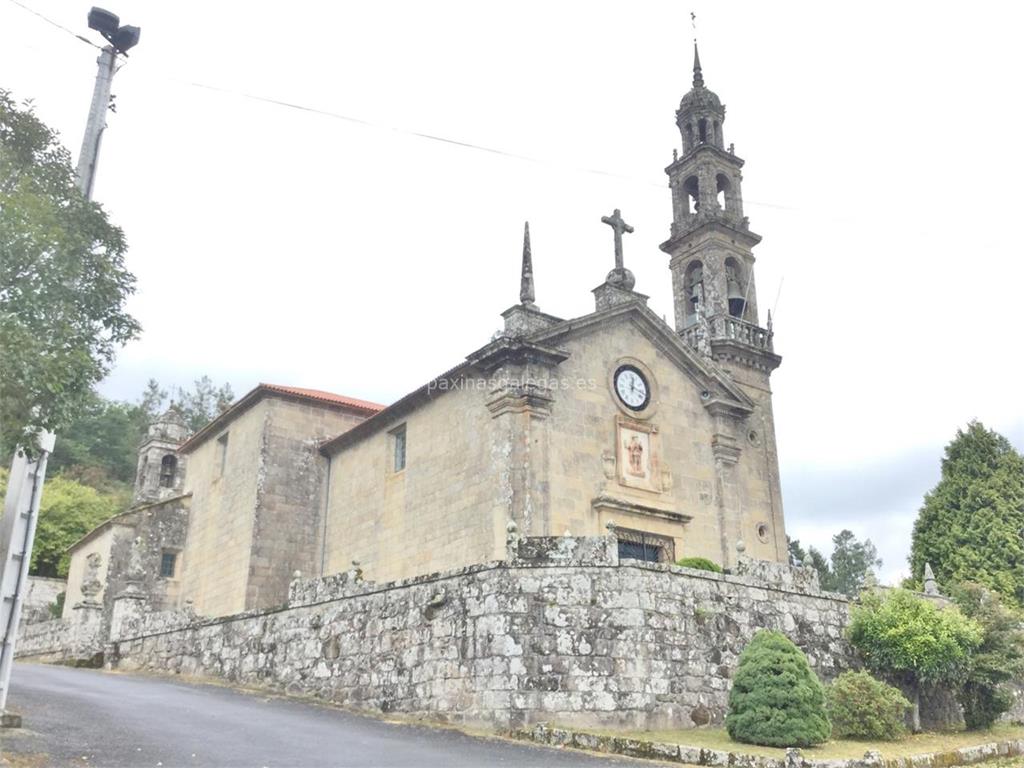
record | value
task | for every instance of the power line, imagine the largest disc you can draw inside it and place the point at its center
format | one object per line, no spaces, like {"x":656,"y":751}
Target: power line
{"x":394,"y":129}
{"x":59,"y":26}
{"x":409,"y":132}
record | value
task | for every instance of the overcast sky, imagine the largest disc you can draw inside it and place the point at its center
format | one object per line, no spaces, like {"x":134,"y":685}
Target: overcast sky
{"x":883,"y":149}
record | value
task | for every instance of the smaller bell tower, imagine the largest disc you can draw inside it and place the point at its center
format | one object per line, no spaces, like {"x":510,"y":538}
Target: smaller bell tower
{"x":711,"y":244}
{"x":161,"y":471}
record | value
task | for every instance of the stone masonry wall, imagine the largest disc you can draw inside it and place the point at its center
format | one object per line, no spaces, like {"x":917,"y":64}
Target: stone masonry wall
{"x":563,"y":632}
{"x":76,"y":639}
{"x":42,"y":593}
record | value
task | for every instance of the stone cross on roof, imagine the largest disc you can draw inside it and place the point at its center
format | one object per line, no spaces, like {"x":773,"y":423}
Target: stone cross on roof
{"x":618,"y":226}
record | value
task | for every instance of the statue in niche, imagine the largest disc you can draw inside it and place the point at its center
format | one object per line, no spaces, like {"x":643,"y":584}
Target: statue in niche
{"x":635,"y":451}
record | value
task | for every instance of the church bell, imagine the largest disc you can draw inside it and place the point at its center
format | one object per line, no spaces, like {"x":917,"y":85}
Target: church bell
{"x":737,"y":301}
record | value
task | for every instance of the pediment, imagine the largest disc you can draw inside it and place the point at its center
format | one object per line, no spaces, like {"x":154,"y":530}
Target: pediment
{"x":718,"y":390}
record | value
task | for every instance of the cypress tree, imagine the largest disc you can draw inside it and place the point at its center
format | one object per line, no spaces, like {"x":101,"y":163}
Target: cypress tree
{"x":971,"y":526}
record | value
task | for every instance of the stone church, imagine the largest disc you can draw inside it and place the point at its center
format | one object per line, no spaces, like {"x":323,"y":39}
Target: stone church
{"x":610,"y":421}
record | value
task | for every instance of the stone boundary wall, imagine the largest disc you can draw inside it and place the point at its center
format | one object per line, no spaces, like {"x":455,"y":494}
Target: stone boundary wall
{"x":43,"y":639}
{"x":563,"y":631}
{"x":42,"y":592}
{"x":794,"y":758}
{"x":77,"y":640}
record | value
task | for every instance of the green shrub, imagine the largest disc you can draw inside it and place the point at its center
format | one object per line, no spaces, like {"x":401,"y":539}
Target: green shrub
{"x":776,"y":699}
{"x":985,"y":694}
{"x":57,"y":606}
{"x":908,"y":639}
{"x":862,"y":707}
{"x":700,"y":563}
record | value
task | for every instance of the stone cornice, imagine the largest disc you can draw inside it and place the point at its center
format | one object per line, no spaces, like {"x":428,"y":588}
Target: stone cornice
{"x":706,"y":148}
{"x":614,"y":504}
{"x":728,"y":350}
{"x":748,"y":238}
{"x":505,"y":349}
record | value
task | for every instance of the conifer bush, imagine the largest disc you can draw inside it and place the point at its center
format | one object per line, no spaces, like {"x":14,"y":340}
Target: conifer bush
{"x":700,"y":563}
{"x":776,"y":699}
{"x":861,"y":707}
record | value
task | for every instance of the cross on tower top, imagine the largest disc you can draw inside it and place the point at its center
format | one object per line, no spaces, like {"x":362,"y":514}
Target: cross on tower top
{"x":620,"y":276}
{"x":619,"y":226}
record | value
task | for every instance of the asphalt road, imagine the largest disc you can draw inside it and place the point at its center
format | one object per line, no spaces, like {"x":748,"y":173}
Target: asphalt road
{"x":87,"y":717}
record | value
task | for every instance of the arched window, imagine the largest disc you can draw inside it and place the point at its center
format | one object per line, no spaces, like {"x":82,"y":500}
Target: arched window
{"x":736,"y":287}
{"x":693,"y":286}
{"x":702,"y":130}
{"x":691,"y":189}
{"x":723,"y":192}
{"x":168,"y":468}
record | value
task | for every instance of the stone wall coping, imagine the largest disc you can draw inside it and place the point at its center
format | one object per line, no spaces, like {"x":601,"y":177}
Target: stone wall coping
{"x":175,"y":621}
{"x":543,"y":733}
{"x":54,"y":579}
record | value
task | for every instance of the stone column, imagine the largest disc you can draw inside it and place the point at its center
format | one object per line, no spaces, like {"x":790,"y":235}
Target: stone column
{"x":520,"y":405}
{"x":129,"y":607}
{"x":85,"y":635}
{"x":726,"y":452}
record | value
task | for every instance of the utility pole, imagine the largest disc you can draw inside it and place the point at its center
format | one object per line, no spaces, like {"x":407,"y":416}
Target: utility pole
{"x":25,"y":484}
{"x":97,"y":122}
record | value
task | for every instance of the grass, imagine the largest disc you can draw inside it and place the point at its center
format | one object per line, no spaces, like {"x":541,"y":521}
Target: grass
{"x":921,"y":743}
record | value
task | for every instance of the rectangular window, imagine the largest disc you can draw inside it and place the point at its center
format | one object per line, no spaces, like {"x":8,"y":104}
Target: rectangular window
{"x":222,"y":450}
{"x":649,"y":547}
{"x":398,"y":441}
{"x":168,"y":561}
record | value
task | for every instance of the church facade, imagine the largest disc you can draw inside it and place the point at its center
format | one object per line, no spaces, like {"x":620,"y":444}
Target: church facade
{"x":613,"y":421}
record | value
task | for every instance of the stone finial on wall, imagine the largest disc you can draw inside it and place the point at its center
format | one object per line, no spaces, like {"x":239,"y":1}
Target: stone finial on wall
{"x":511,"y":540}
{"x":91,"y":584}
{"x":931,"y":587}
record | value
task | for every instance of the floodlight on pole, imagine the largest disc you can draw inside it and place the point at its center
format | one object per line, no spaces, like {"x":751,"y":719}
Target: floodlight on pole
{"x":109,"y":25}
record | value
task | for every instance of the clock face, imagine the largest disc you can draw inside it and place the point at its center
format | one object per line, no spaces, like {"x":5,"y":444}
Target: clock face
{"x":632,"y":388}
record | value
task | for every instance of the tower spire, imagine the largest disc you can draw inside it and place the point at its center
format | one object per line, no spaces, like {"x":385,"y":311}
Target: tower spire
{"x":526,"y":291}
{"x":698,"y":76}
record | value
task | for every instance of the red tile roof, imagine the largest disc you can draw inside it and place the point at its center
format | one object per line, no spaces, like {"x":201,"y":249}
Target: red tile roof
{"x":260,"y":390}
{"x":326,"y":397}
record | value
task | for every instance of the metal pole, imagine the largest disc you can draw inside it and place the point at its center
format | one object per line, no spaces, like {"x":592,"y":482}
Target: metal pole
{"x":97,"y":121}
{"x":17,"y":533}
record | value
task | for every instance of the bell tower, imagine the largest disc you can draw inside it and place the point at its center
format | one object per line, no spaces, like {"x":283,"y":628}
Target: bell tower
{"x":711,"y":245}
{"x":161,"y":470}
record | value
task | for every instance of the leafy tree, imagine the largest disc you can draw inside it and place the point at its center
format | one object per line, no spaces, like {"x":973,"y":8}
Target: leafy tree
{"x":810,"y":558}
{"x":197,"y":406}
{"x":150,"y":404}
{"x":861,"y":707}
{"x":63,"y":284}
{"x":776,"y":699}
{"x":67,"y":511}
{"x":999,"y":659}
{"x":796,"y":552}
{"x":971,"y":526}
{"x":909,"y":640}
{"x":99,"y":447}
{"x":848,"y":567}
{"x":203,"y":402}
{"x":852,"y":561}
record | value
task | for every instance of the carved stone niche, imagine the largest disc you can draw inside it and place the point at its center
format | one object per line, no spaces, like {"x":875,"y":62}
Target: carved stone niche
{"x":637,"y":455}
